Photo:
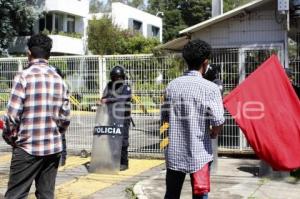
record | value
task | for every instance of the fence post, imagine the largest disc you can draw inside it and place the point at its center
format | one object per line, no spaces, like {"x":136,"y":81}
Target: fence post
{"x":20,"y":66}
{"x":102,"y":74}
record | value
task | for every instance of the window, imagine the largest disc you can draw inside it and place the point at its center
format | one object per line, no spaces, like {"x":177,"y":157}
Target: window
{"x":49,"y":22}
{"x":154,"y":31}
{"x":41,"y":24}
{"x":71,"y":24}
{"x":45,"y":22}
{"x":59,"y":23}
{"x":137,"y":26}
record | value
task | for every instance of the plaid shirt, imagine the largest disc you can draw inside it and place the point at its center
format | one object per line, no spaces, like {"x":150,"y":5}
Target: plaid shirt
{"x":39,"y":101}
{"x":191,"y":105}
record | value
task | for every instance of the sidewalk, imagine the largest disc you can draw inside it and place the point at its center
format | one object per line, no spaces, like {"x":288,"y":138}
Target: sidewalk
{"x":236,"y":178}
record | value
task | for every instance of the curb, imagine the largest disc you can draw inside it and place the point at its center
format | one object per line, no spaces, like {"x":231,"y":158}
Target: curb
{"x":138,"y":188}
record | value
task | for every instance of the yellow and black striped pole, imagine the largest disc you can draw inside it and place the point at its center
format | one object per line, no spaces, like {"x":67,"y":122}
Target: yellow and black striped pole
{"x":164,"y":140}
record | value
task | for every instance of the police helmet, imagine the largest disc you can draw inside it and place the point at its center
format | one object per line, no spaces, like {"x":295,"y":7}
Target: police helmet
{"x":117,"y":72}
{"x":289,"y":72}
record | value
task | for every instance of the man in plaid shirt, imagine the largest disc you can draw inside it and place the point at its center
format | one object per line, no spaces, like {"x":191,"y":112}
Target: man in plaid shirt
{"x":38,"y":112}
{"x":194,"y":110}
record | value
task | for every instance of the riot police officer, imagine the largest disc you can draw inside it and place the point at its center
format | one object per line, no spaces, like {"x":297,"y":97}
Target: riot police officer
{"x":291,"y":77}
{"x":117,"y":96}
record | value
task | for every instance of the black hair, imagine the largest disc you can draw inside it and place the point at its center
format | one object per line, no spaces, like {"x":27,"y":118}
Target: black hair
{"x":195,"y":52}
{"x":40,"y":46}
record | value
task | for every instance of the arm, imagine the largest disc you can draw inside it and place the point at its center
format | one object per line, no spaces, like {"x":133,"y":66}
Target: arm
{"x":64,"y":112}
{"x":165,"y":109}
{"x":125,"y":96}
{"x":16,"y":101}
{"x":14,"y":111}
{"x":216,"y":113}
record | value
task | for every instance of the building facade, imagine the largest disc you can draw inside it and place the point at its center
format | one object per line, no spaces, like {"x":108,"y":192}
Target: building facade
{"x":66,"y":21}
{"x":127,"y":17}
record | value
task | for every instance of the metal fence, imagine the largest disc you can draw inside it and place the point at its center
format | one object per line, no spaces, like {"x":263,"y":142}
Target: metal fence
{"x":148,"y":76}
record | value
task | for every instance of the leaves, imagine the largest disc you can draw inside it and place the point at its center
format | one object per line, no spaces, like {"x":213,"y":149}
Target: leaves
{"x":105,"y":38}
{"x":17,"y":18}
{"x":179,"y":14}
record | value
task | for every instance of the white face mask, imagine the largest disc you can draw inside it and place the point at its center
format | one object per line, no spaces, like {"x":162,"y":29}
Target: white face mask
{"x":207,"y":67}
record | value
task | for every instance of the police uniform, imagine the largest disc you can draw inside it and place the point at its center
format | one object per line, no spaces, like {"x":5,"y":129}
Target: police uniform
{"x":297,"y":90}
{"x":117,"y":95}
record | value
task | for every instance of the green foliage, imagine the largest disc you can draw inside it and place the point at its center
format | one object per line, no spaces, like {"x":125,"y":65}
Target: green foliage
{"x":137,"y":43}
{"x":137,"y":4}
{"x":17,"y":18}
{"x":4,"y":96}
{"x":105,"y":38}
{"x":195,"y":11}
{"x":96,"y":6}
{"x":180,"y":14}
{"x":231,"y":4}
{"x":68,"y":34}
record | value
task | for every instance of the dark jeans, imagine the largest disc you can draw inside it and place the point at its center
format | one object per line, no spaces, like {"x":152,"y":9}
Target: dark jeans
{"x":64,"y":145}
{"x":125,"y":144}
{"x":25,"y":168}
{"x":124,"y":156}
{"x":174,"y":182}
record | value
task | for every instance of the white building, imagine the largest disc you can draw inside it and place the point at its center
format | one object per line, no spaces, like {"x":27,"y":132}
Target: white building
{"x":127,"y":17}
{"x":66,"y":23}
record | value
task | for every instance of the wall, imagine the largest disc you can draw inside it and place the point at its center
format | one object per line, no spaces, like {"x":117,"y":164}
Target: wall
{"x":121,"y":14}
{"x":255,"y":27}
{"x":68,"y":45}
{"x":75,"y":7}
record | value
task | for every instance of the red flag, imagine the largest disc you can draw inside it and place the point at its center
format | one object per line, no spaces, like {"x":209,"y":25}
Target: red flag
{"x":267,"y":109}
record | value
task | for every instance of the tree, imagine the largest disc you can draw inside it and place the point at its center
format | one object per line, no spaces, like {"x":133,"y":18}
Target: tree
{"x":195,"y":11}
{"x":105,"y":38}
{"x":137,"y":4}
{"x":17,"y":18}
{"x":137,"y":43}
{"x":231,"y":4}
{"x":102,"y":36}
{"x":96,"y":6}
{"x":179,"y":14}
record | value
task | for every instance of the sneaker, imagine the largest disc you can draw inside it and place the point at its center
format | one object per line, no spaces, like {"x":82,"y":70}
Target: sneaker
{"x":123,"y":167}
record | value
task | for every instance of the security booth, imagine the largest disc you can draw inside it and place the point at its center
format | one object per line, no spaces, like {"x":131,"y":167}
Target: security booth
{"x":107,"y":142}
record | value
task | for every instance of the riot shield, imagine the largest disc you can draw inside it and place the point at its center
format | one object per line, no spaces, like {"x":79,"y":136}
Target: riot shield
{"x":107,"y":143}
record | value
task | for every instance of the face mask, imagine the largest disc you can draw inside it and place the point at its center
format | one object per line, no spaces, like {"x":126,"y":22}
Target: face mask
{"x":207,"y":68}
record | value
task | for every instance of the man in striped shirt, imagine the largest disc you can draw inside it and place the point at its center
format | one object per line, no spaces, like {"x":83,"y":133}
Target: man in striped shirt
{"x":39,"y":110}
{"x":193,"y":108}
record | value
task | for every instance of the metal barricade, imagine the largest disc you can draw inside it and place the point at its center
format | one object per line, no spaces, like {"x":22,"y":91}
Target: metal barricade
{"x":148,"y":76}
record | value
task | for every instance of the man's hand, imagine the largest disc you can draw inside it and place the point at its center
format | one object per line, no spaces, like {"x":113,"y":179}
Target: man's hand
{"x":101,"y":101}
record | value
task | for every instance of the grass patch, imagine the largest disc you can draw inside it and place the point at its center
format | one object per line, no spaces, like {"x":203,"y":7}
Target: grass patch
{"x":130,"y":193}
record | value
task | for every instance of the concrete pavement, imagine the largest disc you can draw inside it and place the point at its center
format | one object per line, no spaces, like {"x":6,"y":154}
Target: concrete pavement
{"x":235,"y":179}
